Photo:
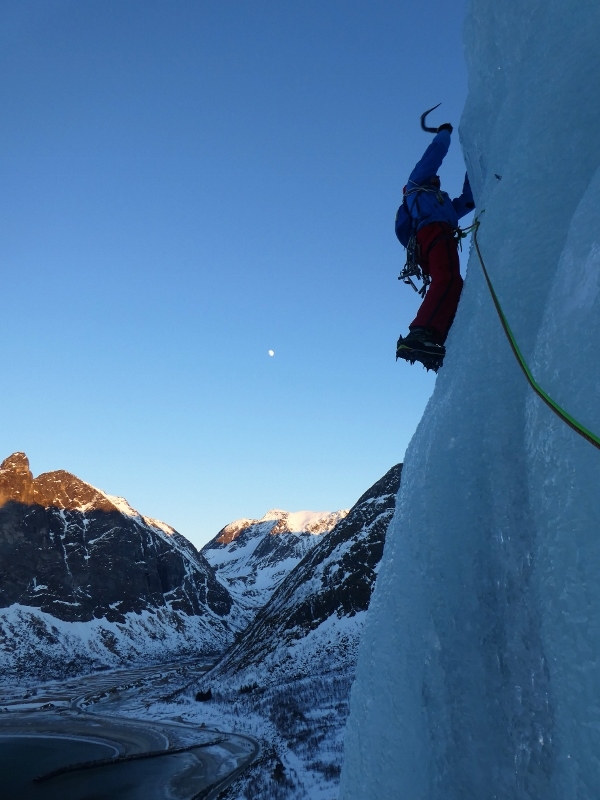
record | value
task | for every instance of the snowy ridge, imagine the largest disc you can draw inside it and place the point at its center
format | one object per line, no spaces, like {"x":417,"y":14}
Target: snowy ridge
{"x":315,"y":522}
{"x":120,"y":503}
{"x":252,"y":557}
{"x":166,"y":532}
{"x":488,"y":598}
{"x":37,"y":644}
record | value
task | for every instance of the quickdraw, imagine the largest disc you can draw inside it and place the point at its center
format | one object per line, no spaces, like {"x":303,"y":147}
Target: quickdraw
{"x":412,"y":268}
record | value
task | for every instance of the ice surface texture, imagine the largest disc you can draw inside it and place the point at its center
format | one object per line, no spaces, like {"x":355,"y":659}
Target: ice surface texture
{"x":478,"y":675}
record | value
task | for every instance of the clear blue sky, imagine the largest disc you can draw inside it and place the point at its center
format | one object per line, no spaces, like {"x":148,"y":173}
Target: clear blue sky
{"x":184,"y":185}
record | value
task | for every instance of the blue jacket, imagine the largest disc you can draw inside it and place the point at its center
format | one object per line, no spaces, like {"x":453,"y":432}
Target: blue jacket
{"x":426,"y":202}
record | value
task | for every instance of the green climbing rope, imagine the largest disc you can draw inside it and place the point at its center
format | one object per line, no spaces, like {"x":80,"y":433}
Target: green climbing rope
{"x":560,"y":412}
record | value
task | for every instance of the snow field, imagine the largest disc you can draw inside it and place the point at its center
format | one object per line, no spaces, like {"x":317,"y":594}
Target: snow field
{"x":35,"y":643}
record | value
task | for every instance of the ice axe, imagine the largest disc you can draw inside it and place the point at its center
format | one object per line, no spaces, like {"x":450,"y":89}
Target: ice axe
{"x":424,"y":117}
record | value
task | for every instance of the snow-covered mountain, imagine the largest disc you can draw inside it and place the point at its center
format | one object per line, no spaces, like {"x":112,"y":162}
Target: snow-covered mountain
{"x":85,"y":579}
{"x":312,"y":622}
{"x":478,"y":674}
{"x":287,"y":679}
{"x":252,"y":557}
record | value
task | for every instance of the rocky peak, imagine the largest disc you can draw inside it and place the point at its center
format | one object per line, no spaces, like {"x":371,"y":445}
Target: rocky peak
{"x":277,"y":521}
{"x":61,"y":489}
{"x":17,"y":463}
{"x":16,"y":480}
{"x":58,"y":489}
{"x":314,"y":522}
{"x":274,"y":514}
{"x":230,"y":532}
{"x":281,"y":520}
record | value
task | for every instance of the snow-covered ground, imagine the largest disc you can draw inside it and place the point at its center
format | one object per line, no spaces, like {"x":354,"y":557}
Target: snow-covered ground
{"x":478,"y":675}
{"x":299,"y":725}
{"x":36,"y":644}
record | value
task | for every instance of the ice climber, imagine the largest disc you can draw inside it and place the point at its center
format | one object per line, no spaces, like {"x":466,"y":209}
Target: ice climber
{"x":433,"y":218}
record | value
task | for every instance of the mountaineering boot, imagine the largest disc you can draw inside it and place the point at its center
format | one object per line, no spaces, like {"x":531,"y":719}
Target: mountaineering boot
{"x":420,"y":346}
{"x":421,"y":340}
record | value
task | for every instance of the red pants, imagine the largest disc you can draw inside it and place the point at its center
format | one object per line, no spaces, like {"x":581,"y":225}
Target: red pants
{"x":439,"y":258}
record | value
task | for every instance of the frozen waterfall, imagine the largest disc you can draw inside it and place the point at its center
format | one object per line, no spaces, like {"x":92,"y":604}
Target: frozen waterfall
{"x":479,"y":670}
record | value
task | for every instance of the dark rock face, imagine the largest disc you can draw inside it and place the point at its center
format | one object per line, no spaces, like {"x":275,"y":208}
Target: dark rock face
{"x":333,"y":581}
{"x":68,"y":550}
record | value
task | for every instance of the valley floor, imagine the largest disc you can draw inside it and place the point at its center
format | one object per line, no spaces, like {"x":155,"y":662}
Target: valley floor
{"x":58,"y":725}
{"x":299,"y":724}
{"x":280,"y":742}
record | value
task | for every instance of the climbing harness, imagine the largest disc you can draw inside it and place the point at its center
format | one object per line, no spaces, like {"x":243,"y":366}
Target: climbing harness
{"x":412,"y":268}
{"x":560,"y":412}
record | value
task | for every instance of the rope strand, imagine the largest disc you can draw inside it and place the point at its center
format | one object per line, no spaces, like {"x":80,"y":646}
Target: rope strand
{"x":560,"y":412}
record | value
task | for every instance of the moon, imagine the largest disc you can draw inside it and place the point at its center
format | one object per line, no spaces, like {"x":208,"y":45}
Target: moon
{"x":271,"y":352}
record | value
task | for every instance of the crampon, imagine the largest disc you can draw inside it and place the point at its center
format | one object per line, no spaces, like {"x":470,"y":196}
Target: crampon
{"x":428,"y":360}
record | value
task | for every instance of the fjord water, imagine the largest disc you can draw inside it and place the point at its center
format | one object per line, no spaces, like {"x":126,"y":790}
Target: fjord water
{"x":24,"y":757}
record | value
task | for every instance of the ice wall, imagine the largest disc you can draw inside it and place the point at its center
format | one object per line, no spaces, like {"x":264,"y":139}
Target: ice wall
{"x":479,"y":676}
